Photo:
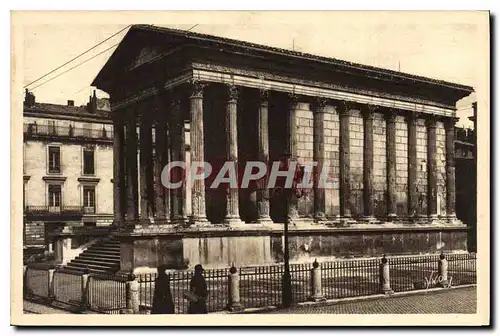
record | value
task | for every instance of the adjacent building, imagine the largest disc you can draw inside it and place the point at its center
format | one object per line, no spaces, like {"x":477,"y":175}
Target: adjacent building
{"x":68,"y":168}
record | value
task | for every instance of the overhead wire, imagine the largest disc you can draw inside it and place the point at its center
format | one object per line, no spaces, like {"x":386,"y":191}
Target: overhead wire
{"x":80,"y":55}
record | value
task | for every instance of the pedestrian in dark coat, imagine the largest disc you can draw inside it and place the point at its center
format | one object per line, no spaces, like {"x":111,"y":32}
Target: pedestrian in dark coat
{"x":198,"y":287}
{"x":162,"y":299}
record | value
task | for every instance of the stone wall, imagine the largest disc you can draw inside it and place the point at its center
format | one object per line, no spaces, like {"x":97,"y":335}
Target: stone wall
{"x":401,"y":167}
{"x":332,"y":129}
{"x":379,"y":165}
{"x":305,"y":131}
{"x":422,"y":167}
{"x":356,"y":162}
{"x":441,"y":167}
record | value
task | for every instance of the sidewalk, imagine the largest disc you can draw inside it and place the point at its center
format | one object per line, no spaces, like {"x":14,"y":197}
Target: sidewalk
{"x":37,"y":308}
{"x":453,"y":301}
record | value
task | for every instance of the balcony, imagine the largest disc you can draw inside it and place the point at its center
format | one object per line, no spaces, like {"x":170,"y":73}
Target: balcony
{"x":58,"y":212}
{"x":33,"y":130}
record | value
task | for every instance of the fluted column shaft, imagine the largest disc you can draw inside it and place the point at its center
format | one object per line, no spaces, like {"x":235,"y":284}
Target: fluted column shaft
{"x":263,"y":207}
{"x":146,"y":167}
{"x":432,"y":168}
{"x":198,"y":207}
{"x":319,"y":112}
{"x":162,"y":199}
{"x":390,"y":132}
{"x":118,"y":170}
{"x":412,"y":166}
{"x":344,"y":161}
{"x":232,"y":205}
{"x":178,"y":150}
{"x":293,"y":101}
{"x":368,"y":202}
{"x":450,"y":168}
{"x":131,"y":167}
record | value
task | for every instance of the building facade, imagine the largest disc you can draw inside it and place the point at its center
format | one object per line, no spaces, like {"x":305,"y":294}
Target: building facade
{"x":68,"y":165}
{"x":389,"y":139}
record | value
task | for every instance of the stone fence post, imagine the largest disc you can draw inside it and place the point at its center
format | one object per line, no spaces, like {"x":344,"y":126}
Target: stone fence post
{"x":85,"y":290}
{"x":385,"y":281}
{"x":443,"y":271}
{"x":316,"y":286}
{"x":132,"y":295}
{"x":50,"y":284}
{"x":26,"y":289}
{"x":234,"y":303}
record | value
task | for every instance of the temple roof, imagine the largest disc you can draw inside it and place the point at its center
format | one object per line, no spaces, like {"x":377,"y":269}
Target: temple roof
{"x":221,"y":42}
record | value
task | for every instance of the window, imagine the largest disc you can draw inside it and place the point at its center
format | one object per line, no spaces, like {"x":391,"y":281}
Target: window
{"x":54,"y":159}
{"x":54,"y":195}
{"x":88,"y":161}
{"x":89,"y":199}
{"x":52,"y":126}
{"x":87,"y":130}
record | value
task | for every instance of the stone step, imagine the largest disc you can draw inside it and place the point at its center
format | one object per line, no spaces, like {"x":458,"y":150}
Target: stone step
{"x":92,"y":270}
{"x":90,"y":266}
{"x":83,"y":261}
{"x":98,"y":257}
{"x":102,"y":251}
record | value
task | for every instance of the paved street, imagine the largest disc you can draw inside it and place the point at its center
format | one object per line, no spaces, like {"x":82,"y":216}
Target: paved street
{"x":455,"y":301}
{"x":36,"y":308}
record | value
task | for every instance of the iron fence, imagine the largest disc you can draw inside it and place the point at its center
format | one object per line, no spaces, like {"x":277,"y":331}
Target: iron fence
{"x":349,"y":278}
{"x":36,"y":283}
{"x":107,"y":293}
{"x":68,"y":287}
{"x":259,"y":286}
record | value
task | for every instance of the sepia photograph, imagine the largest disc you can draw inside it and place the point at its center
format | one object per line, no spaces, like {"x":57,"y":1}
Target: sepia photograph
{"x":250,"y":167}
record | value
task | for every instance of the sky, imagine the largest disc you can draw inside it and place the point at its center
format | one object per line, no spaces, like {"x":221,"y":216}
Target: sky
{"x":445,"y":48}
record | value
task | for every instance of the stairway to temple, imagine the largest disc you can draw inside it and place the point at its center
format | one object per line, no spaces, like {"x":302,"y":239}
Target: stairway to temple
{"x":101,"y":258}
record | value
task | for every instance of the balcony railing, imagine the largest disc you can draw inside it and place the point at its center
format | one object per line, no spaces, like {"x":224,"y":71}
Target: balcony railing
{"x":65,"y":209}
{"x":67,"y":131}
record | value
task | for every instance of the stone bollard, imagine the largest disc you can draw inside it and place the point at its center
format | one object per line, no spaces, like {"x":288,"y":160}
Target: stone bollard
{"x":443,"y":271}
{"x":51,"y":291}
{"x":234,"y":303}
{"x":84,"y":302}
{"x":316,"y":287}
{"x":385,"y":281}
{"x":26,"y":289}
{"x":132,"y":294}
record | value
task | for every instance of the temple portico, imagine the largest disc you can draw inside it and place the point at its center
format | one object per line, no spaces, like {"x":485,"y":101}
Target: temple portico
{"x":387,"y":138}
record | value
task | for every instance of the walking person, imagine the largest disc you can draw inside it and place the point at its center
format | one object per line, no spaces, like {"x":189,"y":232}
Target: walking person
{"x":198,"y":287}
{"x":162,"y":299}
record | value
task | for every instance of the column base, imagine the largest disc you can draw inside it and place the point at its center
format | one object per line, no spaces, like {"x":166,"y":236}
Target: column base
{"x":346,"y":220}
{"x":198,"y":221}
{"x":179,"y":221}
{"x":319,"y":298}
{"x":369,"y":220}
{"x":233,"y":221}
{"x":265,"y":220}
{"x":392,"y":217}
{"x":162,"y":221}
{"x":235,"y":307}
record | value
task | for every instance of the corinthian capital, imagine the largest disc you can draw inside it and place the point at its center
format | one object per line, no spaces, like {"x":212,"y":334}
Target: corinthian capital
{"x":233,"y":92}
{"x":196,"y":89}
{"x":319,"y":104}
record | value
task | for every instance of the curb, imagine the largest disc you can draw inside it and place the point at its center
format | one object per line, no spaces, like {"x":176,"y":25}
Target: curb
{"x":348,"y":300}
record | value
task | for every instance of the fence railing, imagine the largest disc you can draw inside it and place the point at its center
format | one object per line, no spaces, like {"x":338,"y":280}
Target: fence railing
{"x":256,"y":286}
{"x":31,"y":129}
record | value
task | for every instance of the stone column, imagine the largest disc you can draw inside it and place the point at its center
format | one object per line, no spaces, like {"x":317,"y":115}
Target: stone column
{"x":343,"y":109}
{"x":319,"y":112}
{"x":131,"y":168}
{"x":161,"y":213}
{"x":390,"y":133}
{"x":449,"y":125}
{"x":293,"y":100}
{"x":263,"y":207}
{"x":178,"y":150}
{"x":412,"y":166}
{"x":118,"y":170}
{"x":145,"y":167}
{"x":232,"y":206}
{"x":198,"y":208}
{"x":367,"y":112}
{"x":432,"y":168}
